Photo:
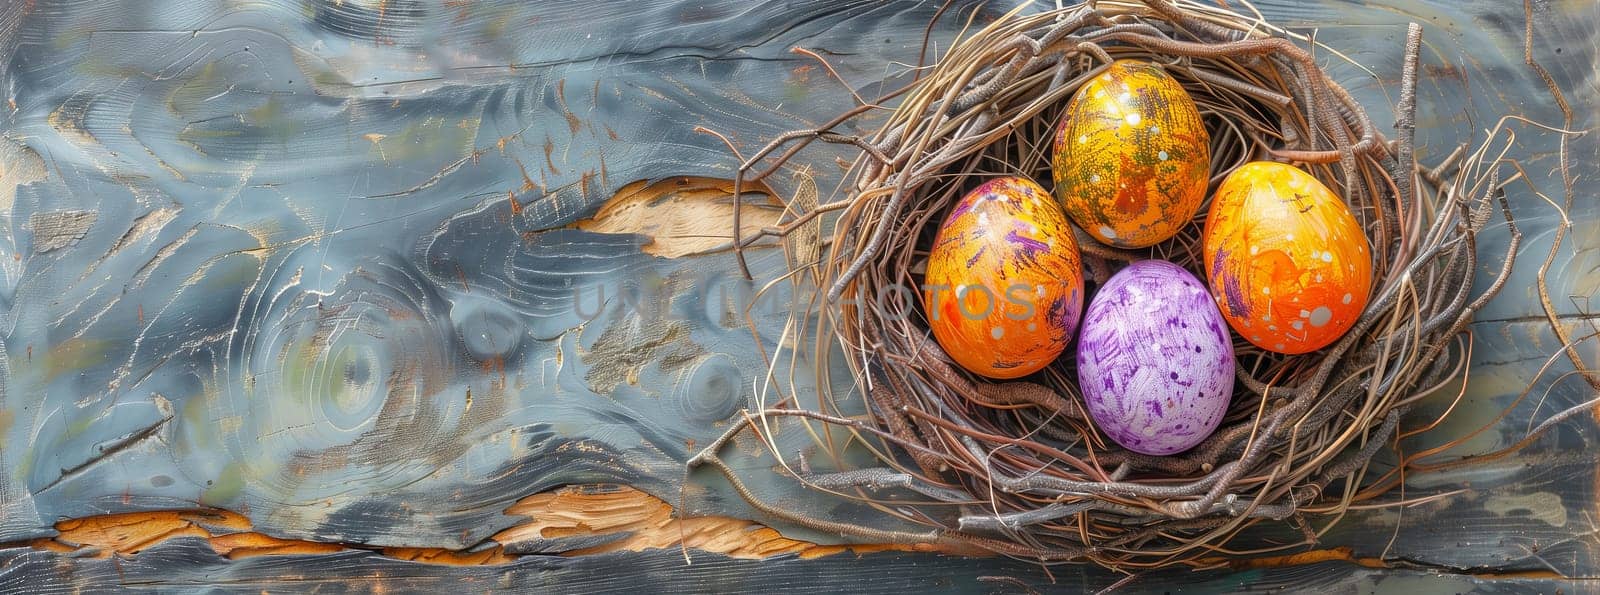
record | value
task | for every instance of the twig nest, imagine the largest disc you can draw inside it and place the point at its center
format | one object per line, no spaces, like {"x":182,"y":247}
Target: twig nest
{"x":1059,"y":460}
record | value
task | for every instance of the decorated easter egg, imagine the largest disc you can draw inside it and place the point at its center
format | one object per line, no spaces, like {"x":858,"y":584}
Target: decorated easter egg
{"x":1155,"y":362}
{"x":1287,"y":263}
{"x":1004,"y":285}
{"x":1132,"y":157}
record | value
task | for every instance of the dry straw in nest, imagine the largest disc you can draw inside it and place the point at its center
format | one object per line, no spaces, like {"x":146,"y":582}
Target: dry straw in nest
{"x":1014,"y":467}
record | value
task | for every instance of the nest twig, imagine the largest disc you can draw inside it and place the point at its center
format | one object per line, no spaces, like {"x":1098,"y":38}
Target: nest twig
{"x":1014,"y":467}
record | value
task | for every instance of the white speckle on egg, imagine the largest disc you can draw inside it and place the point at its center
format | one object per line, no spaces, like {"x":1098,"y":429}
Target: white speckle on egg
{"x":983,"y":218}
{"x":1346,"y":299}
{"x":1155,"y":129}
{"x":1327,"y":257}
{"x":997,"y":332}
{"x":1298,"y":325}
{"x":1031,"y":327}
{"x":1109,"y":233}
{"x":1305,"y":313}
{"x":1288,"y":236}
{"x":1162,"y":155}
{"x":1278,"y":347}
{"x":1321,"y":316}
{"x":1095,"y":178}
{"x":1133,"y":119}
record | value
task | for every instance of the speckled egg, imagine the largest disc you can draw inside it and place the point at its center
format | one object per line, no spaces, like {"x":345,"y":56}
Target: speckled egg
{"x":1004,"y":286}
{"x":1132,"y":157}
{"x":1287,"y":262}
{"x":1155,"y":362}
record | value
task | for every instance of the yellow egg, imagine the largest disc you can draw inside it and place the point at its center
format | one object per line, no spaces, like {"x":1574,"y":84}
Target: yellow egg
{"x":1287,"y":263}
{"x":1132,"y":156}
{"x":1004,"y":287}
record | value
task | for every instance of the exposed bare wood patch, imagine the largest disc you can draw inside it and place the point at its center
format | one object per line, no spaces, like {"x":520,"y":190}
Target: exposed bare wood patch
{"x":144,"y":226}
{"x":494,"y":555}
{"x":53,"y":230}
{"x":228,"y":534}
{"x":19,"y":165}
{"x":129,"y":533}
{"x":1347,"y":555}
{"x":68,"y":118}
{"x":639,"y":520}
{"x":1337,"y":554}
{"x":623,"y":350}
{"x":648,"y":523}
{"x":245,"y":545}
{"x":681,"y":215}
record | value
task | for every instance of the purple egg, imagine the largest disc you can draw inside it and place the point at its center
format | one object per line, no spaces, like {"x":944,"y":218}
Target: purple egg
{"x":1155,"y":362}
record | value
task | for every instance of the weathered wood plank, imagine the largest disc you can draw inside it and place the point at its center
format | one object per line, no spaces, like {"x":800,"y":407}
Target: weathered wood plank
{"x":344,"y":273}
{"x":189,"y":565}
{"x":355,"y":272}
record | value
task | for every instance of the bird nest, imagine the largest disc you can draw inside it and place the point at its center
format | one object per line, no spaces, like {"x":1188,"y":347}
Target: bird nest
{"x":1015,"y":467}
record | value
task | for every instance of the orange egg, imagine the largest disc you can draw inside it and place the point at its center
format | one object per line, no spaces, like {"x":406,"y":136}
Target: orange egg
{"x":1132,"y":157}
{"x":1287,"y":263}
{"x":1004,"y":287}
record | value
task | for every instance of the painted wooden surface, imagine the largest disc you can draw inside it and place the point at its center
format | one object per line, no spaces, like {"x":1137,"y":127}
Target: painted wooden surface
{"x":185,"y":563}
{"x":371,"y":275}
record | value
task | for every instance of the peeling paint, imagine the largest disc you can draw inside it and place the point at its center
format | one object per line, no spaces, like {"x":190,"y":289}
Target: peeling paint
{"x":1544,"y":506}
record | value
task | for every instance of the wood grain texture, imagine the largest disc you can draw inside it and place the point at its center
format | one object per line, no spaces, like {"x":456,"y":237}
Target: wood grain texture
{"x":571,"y":521}
{"x":188,"y":565}
{"x":352,"y":272}
{"x":626,"y":519}
{"x":682,"y":216}
{"x":372,"y":274}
